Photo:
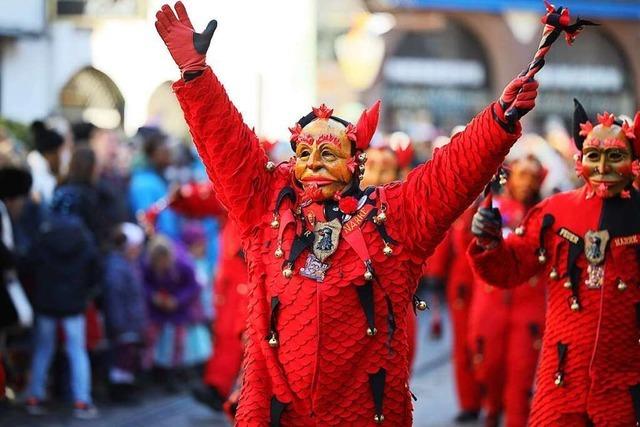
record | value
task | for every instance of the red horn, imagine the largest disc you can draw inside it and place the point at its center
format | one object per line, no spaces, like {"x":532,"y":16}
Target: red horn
{"x":367,"y":125}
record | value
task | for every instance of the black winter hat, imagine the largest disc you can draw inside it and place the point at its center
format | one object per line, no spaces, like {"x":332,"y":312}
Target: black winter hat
{"x":45,"y":139}
{"x":14,"y":182}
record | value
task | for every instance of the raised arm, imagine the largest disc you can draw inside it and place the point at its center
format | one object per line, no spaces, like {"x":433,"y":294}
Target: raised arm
{"x":512,"y":261}
{"x":232,"y":155}
{"x":437,"y":192}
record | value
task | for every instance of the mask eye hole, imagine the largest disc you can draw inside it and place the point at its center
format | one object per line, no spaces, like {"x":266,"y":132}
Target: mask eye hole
{"x":616,"y":156}
{"x":592,"y":156}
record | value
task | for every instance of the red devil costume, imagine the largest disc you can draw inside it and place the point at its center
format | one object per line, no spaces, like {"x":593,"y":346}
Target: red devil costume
{"x":449,"y":261}
{"x":505,"y":332}
{"x":332,"y":268}
{"x":585,"y":243}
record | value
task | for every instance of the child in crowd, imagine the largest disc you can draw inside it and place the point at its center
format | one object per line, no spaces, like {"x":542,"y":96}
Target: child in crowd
{"x":171,"y":290}
{"x":125,"y":308}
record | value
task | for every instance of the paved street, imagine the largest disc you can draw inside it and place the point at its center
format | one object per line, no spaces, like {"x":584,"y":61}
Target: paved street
{"x":431,"y":384}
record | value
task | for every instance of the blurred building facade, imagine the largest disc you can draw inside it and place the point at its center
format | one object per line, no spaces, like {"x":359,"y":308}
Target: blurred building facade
{"x":446,"y":60}
{"x":102,"y":61}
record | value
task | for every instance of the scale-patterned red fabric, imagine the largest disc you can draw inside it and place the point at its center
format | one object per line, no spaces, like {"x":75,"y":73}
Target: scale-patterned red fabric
{"x":230,"y":289}
{"x":322,"y":364}
{"x":505,"y":334}
{"x":603,"y":355}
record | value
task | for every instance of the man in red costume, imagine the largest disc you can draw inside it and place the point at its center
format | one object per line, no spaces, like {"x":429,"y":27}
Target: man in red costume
{"x":505,"y":326}
{"x":332,"y":269}
{"x":585,"y":243}
{"x":449,"y":262}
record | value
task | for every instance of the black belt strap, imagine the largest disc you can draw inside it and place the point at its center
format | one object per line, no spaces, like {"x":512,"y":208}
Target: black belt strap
{"x":277,"y":408}
{"x":377,"y":381}
{"x":365,"y":295}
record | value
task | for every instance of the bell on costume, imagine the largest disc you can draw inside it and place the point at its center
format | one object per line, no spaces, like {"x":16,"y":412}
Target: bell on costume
{"x":559,"y":379}
{"x":380,"y":218}
{"x":270,"y":166}
{"x":553,"y":275}
{"x":575,"y":305}
{"x":287,"y":272}
{"x":378,"y":418}
{"x":275,"y":223}
{"x":387,"y":250}
{"x":372,"y":331}
{"x":279,"y":253}
{"x":621,"y":285}
{"x":542,"y":257}
{"x":273,"y":340}
{"x":421,"y":305}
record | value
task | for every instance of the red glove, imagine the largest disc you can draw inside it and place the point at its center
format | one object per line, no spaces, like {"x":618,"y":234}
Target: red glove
{"x":187,"y":47}
{"x":517,"y":99}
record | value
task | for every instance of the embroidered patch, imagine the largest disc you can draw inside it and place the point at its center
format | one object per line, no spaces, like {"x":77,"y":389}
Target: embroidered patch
{"x":595,"y":245}
{"x":568,"y":235}
{"x":626,"y":240}
{"x":326,"y":236}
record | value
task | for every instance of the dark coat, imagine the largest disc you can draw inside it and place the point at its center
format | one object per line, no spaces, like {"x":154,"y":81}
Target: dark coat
{"x":124,"y":298}
{"x":66,"y":267}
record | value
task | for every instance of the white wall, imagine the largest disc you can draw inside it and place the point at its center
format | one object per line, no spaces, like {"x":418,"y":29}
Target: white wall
{"x":256,"y":41}
{"x":34,"y":70}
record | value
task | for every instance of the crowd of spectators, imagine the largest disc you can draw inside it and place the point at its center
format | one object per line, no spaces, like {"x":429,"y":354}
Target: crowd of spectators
{"x":91,"y":303}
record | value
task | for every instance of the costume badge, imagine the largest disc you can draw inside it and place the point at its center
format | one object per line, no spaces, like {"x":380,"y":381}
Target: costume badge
{"x":595,"y":245}
{"x":314,"y":269}
{"x":326,"y":235}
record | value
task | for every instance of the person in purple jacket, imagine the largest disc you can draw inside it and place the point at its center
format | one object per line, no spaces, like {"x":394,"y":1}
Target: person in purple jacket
{"x":171,"y":289}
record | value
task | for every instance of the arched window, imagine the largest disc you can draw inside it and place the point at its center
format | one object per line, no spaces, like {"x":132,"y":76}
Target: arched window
{"x":164,"y":111}
{"x":441,"y":74}
{"x":90,"y":95}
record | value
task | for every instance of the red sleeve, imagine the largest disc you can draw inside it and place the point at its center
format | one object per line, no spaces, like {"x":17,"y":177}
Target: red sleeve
{"x":437,"y":192}
{"x":437,"y":265}
{"x":231,"y":153}
{"x":515,"y":259}
{"x":197,"y":201}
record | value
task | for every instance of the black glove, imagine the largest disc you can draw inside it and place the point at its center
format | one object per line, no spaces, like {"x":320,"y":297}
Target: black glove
{"x":487,"y":227}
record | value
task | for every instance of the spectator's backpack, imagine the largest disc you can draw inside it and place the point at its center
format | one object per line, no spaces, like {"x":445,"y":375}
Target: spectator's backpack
{"x":65,"y":262}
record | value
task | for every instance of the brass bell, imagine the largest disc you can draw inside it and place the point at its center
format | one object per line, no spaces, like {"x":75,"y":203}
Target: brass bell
{"x":361,"y":177}
{"x":421,"y":305}
{"x":270,"y":166}
{"x":387,"y":250}
{"x":558,"y":381}
{"x":575,"y":306}
{"x":519,"y":231}
{"x":287,"y":272}
{"x":273,"y":340}
{"x":368,"y":275}
{"x":361,"y":168}
{"x":542,"y":258}
{"x":567,"y":284}
{"x":553,"y":275}
{"x":275,"y":223}
{"x":362,"y":157}
{"x":279,"y":253}
{"x":381,"y":217}
{"x":621,"y":285}
{"x":378,"y":418}
{"x":371,"y":331}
